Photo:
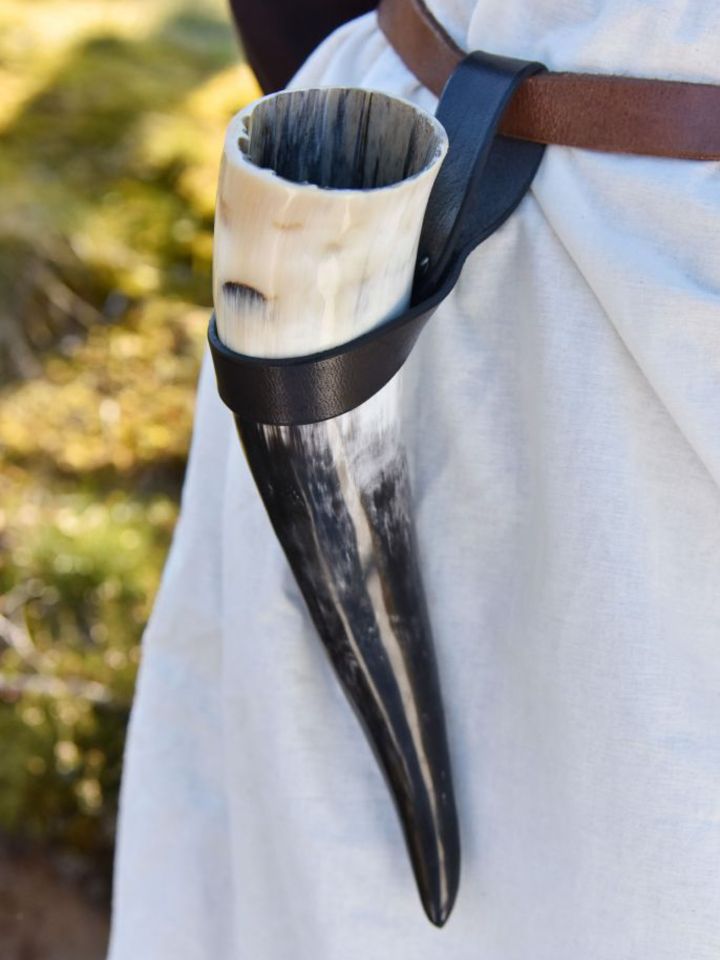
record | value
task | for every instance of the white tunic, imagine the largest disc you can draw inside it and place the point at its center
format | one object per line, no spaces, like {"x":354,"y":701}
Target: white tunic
{"x":563,"y":427}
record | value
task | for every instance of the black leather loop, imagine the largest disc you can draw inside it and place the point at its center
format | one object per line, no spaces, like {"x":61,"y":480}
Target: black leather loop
{"x":481,"y":182}
{"x":484,"y":176}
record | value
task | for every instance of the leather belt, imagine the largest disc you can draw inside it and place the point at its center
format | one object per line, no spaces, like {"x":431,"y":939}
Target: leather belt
{"x":480,"y":183}
{"x":661,"y":118}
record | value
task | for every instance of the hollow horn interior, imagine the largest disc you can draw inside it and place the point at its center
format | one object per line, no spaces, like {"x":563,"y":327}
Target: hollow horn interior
{"x":339,"y":139}
{"x":320,"y":203}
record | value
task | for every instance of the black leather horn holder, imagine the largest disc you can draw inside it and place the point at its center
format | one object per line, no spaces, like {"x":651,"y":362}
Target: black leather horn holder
{"x":482,"y":180}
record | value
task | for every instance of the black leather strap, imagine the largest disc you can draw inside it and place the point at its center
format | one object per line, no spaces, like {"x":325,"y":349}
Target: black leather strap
{"x":484,"y":176}
{"x":481,"y":182}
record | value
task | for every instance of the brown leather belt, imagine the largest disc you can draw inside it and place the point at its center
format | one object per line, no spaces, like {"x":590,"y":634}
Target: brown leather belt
{"x":661,"y":118}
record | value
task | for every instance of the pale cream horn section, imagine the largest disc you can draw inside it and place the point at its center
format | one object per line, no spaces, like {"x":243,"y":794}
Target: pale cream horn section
{"x":298,"y":267}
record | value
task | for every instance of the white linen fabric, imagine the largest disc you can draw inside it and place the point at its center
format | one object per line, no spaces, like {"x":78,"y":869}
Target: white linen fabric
{"x":563,"y":425}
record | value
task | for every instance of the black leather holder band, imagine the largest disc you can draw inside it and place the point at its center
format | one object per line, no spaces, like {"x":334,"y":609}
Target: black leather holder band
{"x":482,"y":180}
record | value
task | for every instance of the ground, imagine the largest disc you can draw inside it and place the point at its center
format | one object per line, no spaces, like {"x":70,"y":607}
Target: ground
{"x":111,"y":125}
{"x":46,"y":913}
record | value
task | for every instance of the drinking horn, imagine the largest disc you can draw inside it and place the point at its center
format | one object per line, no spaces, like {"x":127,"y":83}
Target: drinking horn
{"x":320,"y":203}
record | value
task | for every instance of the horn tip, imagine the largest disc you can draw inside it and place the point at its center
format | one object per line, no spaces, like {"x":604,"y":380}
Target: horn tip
{"x":438,"y":911}
{"x":438,"y":897}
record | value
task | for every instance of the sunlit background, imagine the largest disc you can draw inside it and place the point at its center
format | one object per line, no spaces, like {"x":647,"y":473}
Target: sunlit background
{"x":111,"y":121}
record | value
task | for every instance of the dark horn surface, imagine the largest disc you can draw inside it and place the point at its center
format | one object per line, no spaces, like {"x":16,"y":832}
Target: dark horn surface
{"x":351,"y":546}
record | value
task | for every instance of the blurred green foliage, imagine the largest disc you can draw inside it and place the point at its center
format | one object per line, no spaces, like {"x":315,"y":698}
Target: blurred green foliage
{"x":111,"y":127}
